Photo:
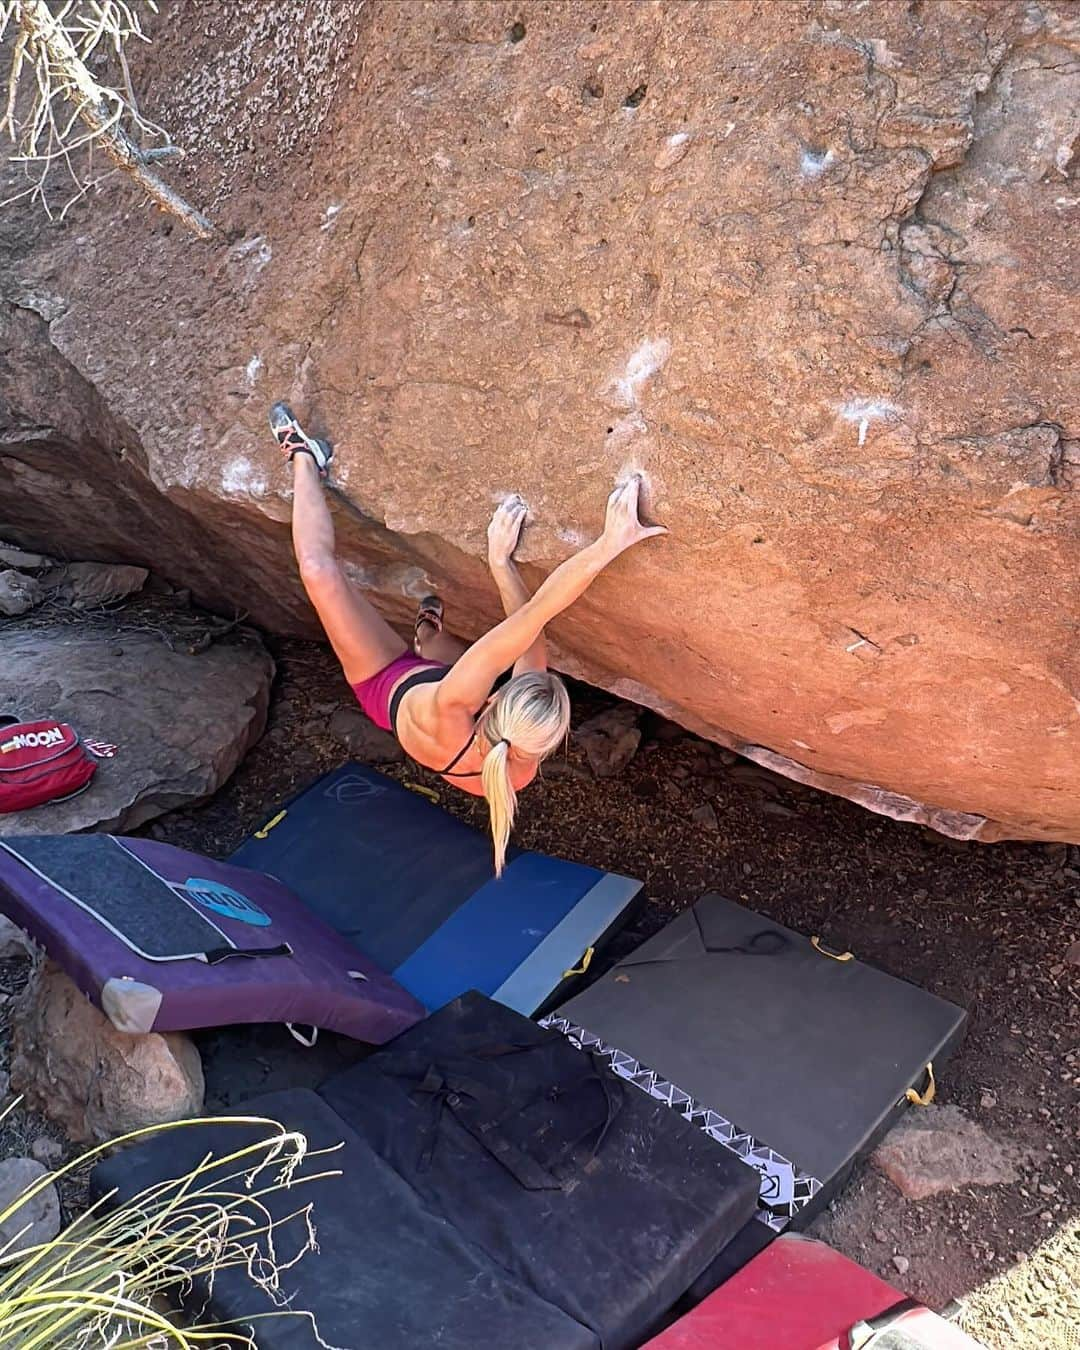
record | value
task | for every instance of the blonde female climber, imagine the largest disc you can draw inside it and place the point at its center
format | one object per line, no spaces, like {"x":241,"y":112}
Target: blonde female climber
{"x":441,"y":700}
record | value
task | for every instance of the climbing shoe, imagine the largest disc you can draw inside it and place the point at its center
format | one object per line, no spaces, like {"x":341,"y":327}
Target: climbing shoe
{"x":295,"y":441}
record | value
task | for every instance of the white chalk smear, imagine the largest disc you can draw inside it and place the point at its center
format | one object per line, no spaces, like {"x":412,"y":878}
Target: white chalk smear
{"x":641,"y":366}
{"x":814,"y":162}
{"x":256,"y":251}
{"x":673,"y":150}
{"x":575,"y":538}
{"x":330,"y":215}
{"x":240,"y":478}
{"x":863,"y":411}
{"x":391,"y":579}
{"x":254,"y":369}
{"x":632,"y":469}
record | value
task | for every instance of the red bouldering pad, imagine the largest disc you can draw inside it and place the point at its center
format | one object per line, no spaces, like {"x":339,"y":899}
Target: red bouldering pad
{"x":799,"y":1294}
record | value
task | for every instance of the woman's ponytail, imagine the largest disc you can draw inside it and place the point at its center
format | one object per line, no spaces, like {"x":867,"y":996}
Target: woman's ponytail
{"x":501,"y":799}
{"x":531,"y":715}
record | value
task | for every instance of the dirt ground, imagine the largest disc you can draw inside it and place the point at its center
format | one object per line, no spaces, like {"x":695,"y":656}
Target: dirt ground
{"x":985,"y":926}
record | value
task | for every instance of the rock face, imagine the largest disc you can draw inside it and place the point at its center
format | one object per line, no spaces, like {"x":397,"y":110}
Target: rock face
{"x":805,"y":265}
{"x":72,"y":1065}
{"x":181,"y":722}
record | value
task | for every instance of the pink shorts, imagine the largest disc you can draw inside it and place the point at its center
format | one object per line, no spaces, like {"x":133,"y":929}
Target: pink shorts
{"x":373,"y":694}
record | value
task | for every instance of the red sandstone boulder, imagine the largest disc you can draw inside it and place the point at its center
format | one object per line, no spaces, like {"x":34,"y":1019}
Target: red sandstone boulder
{"x":805,"y":265}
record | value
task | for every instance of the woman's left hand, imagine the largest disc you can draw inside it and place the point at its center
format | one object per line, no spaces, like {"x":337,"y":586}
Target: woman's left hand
{"x":505,"y":531}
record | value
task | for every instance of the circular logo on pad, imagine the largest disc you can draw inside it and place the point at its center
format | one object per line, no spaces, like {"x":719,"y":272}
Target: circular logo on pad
{"x":221,"y":899}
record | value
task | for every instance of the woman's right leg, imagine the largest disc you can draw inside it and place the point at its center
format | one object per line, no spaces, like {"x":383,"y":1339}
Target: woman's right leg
{"x":436,"y":644}
{"x":362,"y":639}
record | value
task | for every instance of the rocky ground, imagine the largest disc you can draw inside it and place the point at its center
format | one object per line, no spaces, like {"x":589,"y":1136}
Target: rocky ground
{"x":992,"y":927}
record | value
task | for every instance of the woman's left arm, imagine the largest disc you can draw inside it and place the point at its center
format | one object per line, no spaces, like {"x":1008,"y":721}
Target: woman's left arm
{"x":504,"y":532}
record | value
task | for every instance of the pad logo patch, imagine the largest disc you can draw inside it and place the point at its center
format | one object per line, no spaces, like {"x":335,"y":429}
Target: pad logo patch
{"x":777,"y":1188}
{"x":33,"y":740}
{"x":351,"y":789}
{"x":221,"y":899}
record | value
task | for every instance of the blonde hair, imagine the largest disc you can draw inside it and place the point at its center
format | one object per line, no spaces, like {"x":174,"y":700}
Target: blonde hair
{"x":530,"y":714}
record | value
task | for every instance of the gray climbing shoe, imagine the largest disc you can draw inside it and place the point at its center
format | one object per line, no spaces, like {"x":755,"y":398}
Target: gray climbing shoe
{"x":293,"y":440}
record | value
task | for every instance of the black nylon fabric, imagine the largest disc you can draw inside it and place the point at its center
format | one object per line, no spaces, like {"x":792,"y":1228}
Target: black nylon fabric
{"x":586,"y":1191}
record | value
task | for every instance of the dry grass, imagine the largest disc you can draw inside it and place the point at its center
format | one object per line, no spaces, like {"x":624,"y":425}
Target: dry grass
{"x":105,"y":1280}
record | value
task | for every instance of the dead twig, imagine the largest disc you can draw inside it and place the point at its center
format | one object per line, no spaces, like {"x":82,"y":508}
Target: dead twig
{"x":51,"y":51}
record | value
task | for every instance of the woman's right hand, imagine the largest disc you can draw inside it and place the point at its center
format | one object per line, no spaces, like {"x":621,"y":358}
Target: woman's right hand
{"x":622,"y":525}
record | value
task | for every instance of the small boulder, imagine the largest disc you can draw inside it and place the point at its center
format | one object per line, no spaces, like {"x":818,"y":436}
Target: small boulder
{"x":37,"y":1219}
{"x":18,"y":593}
{"x":70,"y":1063}
{"x":21,"y":559}
{"x":46,"y":1151}
{"x":181,"y":722}
{"x":610,"y":739}
{"x":85,"y":585}
{"x":937,"y":1148}
{"x":705,"y":816}
{"x":363,"y":739}
{"x":13,"y":941}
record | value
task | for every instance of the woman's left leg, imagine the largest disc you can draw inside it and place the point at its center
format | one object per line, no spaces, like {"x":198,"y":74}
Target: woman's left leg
{"x":362,"y":639}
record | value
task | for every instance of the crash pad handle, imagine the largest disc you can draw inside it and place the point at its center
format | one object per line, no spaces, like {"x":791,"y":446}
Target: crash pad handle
{"x":819,"y":946}
{"x":917,"y":1098}
{"x":586,"y":961}
{"x":265,"y":830}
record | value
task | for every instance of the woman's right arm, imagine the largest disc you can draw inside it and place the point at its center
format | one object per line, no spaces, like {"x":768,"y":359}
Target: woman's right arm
{"x":469,"y":681}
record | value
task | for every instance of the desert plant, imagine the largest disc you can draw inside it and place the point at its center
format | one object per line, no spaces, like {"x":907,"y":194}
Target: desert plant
{"x":58,"y":113}
{"x":104,"y":1281}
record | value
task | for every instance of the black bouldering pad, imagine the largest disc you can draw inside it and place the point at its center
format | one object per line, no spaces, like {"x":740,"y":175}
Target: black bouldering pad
{"x":388,"y":1275}
{"x":795,"y":1060}
{"x":498,"y":1188}
{"x":601,"y":1200}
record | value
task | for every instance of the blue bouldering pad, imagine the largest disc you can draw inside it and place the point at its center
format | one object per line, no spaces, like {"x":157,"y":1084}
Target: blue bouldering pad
{"x":414,"y":887}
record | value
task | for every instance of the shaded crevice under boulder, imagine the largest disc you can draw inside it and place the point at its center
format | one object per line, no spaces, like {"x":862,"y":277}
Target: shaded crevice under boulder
{"x":181,"y":722}
{"x":70,"y":1063}
{"x":773,"y":284}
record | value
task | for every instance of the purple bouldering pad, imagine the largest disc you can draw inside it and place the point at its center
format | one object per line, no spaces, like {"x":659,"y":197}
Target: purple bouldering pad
{"x":165,"y":940}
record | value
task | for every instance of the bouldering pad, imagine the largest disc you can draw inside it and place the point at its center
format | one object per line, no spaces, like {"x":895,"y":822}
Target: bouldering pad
{"x":415,"y":888}
{"x":479,"y":1134}
{"x":802,"y":1295}
{"x":165,"y":940}
{"x":388,"y":1275}
{"x":796,"y":1060}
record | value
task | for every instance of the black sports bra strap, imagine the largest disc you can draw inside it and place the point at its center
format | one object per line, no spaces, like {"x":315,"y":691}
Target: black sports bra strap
{"x":458,"y":758}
